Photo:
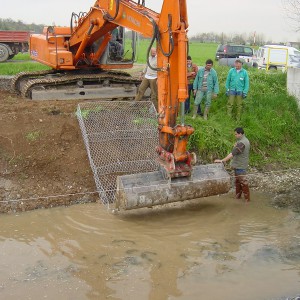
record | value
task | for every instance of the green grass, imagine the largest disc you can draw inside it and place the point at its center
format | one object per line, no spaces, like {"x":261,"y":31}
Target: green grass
{"x":33,"y":136}
{"x":271,"y":118}
{"x":15,"y":66}
{"x":22,"y":56}
{"x":13,"y":69}
{"x":201,"y":52}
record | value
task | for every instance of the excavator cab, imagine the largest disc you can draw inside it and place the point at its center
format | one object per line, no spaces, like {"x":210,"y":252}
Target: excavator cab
{"x":120,"y":50}
{"x":116,"y":45}
{"x":122,"y":46}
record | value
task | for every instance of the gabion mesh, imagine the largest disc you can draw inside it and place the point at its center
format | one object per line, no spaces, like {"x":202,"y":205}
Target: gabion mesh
{"x":120,"y":138}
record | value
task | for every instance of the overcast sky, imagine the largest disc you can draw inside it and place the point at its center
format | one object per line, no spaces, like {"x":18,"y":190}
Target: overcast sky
{"x":266,"y":17}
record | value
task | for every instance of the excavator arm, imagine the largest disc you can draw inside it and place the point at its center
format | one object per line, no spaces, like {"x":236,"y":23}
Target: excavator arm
{"x":84,"y":47}
{"x":169,"y":30}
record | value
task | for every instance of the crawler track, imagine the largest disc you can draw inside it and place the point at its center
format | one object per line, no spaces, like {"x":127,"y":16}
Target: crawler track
{"x":25,"y":83}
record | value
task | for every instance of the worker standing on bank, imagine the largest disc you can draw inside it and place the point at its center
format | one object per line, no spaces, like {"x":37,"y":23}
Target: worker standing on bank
{"x":149,"y":79}
{"x":206,"y":86}
{"x":237,"y":87}
{"x":192,"y":70}
{"x":240,"y":161}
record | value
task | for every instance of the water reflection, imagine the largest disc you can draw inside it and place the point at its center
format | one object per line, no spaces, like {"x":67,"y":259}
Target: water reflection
{"x":206,"y":249}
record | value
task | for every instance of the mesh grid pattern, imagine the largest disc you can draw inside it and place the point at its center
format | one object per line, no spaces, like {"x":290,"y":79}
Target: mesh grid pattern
{"x":120,"y":138}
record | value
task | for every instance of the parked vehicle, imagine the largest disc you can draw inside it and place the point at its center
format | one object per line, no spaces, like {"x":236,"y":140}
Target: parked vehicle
{"x":234,"y":51}
{"x":273,"y":57}
{"x":13,"y":42}
{"x":230,"y":62}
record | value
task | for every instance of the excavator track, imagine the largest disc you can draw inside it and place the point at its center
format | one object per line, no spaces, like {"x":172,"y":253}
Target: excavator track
{"x":55,"y":85}
{"x":23,"y":76}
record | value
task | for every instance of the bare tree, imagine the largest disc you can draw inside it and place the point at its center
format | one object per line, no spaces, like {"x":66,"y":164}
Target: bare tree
{"x":292,"y":10}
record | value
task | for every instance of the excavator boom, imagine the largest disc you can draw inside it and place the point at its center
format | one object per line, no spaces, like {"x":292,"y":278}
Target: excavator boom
{"x":176,"y":178}
{"x":86,"y":46}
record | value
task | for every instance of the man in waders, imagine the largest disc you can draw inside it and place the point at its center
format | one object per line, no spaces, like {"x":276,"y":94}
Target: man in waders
{"x":240,"y":160}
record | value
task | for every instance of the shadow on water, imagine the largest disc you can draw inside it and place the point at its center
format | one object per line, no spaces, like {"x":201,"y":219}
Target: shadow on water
{"x":212,"y":248}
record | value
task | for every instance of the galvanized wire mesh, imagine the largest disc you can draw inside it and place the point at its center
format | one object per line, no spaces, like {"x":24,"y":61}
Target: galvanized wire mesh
{"x":120,"y":138}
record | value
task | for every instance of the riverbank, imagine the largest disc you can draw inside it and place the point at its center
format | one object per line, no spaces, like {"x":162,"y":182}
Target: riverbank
{"x":43,"y":161}
{"x":282,"y":185}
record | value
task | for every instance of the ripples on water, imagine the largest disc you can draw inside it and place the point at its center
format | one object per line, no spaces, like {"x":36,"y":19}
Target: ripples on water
{"x":213,"y":248}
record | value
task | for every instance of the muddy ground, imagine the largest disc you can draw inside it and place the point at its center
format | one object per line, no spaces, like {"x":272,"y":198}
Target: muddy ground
{"x":43,"y":161}
{"x":41,"y":155}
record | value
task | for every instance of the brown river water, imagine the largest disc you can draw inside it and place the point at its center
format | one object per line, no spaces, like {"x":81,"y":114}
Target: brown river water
{"x":213,"y":248}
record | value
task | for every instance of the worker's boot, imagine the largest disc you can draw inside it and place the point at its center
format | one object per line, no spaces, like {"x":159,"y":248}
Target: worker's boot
{"x":238,"y":188}
{"x":195,"y":111}
{"x":246,"y":192}
{"x":205,"y":115}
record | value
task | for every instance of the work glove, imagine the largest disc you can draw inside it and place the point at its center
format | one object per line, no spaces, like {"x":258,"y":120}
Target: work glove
{"x":227,"y":93}
{"x":244,"y":95}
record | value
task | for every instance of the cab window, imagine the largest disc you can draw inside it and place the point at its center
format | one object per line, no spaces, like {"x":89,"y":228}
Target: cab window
{"x":248,"y":50}
{"x":238,"y":49}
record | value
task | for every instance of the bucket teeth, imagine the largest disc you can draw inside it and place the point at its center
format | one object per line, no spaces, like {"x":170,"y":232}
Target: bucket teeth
{"x":150,"y":189}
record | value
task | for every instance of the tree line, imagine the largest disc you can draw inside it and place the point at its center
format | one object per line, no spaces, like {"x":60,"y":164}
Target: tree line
{"x":235,"y":38}
{"x":9,"y":24}
{"x":206,"y":37}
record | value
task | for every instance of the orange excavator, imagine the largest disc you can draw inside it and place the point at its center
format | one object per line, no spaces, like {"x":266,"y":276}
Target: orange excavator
{"x":84,"y":57}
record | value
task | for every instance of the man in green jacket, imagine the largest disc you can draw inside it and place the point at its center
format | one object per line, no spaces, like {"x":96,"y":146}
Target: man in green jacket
{"x":237,"y":87}
{"x":206,"y":85}
{"x":240,"y":160}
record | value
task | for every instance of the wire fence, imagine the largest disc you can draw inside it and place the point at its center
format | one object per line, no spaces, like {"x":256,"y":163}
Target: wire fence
{"x":285,"y":173}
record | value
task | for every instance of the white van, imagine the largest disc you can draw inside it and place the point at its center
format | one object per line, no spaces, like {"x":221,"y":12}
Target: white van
{"x":277,"y":57}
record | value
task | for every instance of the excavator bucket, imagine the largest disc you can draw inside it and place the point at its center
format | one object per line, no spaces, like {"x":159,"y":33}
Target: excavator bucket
{"x":120,"y":139}
{"x":150,"y":189}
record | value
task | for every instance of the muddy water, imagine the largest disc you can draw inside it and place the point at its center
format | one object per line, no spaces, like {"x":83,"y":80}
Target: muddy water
{"x":214,"y":248}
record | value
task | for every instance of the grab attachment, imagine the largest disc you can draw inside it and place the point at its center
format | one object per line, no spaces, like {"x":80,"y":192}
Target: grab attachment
{"x":151,"y":189}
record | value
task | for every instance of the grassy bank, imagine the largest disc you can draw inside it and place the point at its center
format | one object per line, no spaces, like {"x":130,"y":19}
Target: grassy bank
{"x":271,"y":118}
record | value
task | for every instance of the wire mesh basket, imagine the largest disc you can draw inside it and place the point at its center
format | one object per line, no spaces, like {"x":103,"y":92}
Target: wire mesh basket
{"x":120,"y":138}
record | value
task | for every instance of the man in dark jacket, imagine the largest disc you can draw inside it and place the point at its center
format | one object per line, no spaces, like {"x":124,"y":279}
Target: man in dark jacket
{"x":192,"y":71}
{"x":240,"y":160}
